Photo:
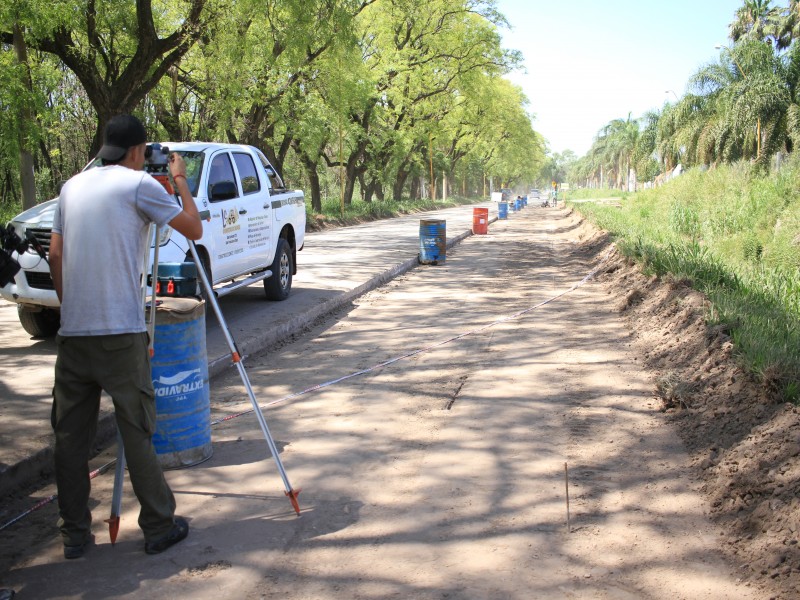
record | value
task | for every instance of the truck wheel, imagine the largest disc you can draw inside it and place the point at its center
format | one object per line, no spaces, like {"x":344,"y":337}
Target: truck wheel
{"x":39,"y":323}
{"x":278,"y":286}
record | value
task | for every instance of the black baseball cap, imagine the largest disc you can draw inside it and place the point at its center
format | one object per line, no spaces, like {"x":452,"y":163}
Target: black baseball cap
{"x":122,"y":132}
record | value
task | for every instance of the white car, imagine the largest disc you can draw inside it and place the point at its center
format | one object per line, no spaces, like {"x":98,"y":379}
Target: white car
{"x":255,"y":228}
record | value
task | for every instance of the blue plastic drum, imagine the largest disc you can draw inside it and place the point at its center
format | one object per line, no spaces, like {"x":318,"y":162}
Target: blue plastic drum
{"x":432,"y":241}
{"x":180,"y":379}
{"x":502,"y":210}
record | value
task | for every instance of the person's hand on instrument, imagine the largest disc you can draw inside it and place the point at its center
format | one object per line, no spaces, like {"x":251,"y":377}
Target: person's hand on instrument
{"x":177,"y":166}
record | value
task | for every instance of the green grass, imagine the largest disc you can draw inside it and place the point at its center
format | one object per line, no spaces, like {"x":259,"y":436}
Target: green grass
{"x":735,"y":235}
{"x":591,"y":194}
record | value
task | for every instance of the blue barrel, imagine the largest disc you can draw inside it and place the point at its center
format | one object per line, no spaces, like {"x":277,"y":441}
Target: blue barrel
{"x":432,"y":241}
{"x":180,"y":378}
{"x":518,"y":203}
{"x":512,"y":205}
{"x":502,"y":210}
{"x":524,"y":201}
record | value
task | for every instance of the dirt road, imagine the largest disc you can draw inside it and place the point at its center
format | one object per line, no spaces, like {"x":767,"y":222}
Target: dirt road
{"x":441,"y":475}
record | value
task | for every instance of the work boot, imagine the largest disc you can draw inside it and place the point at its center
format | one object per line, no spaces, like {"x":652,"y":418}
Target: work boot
{"x":179,"y":531}
{"x":77,"y":550}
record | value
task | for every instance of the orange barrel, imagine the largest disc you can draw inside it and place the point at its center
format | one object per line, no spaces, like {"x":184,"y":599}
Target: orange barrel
{"x":480,"y":221}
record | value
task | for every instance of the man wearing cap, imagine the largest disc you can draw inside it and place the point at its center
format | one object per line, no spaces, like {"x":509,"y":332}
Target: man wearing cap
{"x":100,"y":230}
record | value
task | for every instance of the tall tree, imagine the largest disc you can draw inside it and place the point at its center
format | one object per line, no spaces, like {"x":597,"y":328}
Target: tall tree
{"x":758,"y":20}
{"x":118,"y":51}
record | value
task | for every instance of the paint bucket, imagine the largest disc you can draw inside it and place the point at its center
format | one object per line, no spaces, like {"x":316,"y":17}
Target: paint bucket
{"x":180,"y":379}
{"x":480,"y":221}
{"x":432,"y":241}
{"x":502,"y":210}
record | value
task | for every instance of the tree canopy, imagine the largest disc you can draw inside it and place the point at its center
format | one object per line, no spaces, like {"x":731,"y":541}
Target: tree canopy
{"x":382,"y":97}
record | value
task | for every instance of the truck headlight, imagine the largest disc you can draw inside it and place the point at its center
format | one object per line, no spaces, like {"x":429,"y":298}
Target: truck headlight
{"x":164,"y":234}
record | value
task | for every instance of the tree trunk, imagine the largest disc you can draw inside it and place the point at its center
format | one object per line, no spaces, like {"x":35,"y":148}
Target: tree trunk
{"x":413,"y":191}
{"x":313,"y":179}
{"x":368,"y":190}
{"x":377,"y":188}
{"x":310,"y":166}
{"x":26,"y":120}
{"x":399,"y":184}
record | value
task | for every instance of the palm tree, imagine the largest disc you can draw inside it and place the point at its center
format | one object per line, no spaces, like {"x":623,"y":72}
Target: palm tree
{"x":738,"y":106}
{"x":788,"y":25}
{"x":758,"y":20}
{"x":620,"y":141}
{"x":645,"y":156}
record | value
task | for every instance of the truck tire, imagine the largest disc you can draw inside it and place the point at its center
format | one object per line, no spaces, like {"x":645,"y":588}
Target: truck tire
{"x":39,"y":323}
{"x":279,"y":284}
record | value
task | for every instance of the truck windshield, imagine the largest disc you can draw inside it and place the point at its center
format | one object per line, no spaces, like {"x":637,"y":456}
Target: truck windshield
{"x":194,"y":167}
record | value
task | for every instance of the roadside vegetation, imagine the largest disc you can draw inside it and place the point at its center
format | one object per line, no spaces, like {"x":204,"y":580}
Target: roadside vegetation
{"x":596,"y":193}
{"x":733,"y":233}
{"x":361,"y":212}
{"x":8,"y":210}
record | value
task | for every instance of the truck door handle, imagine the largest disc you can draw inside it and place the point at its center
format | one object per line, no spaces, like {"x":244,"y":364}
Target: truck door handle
{"x":243,"y":211}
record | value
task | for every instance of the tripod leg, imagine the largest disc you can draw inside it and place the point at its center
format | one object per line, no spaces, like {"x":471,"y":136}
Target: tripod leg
{"x":237,"y":360}
{"x":151,"y":324}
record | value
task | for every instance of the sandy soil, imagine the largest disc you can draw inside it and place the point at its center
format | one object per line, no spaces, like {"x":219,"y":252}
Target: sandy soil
{"x":445,"y":475}
{"x":743,"y":441}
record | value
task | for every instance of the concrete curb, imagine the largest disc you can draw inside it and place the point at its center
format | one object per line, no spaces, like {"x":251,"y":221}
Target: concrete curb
{"x":40,"y":465}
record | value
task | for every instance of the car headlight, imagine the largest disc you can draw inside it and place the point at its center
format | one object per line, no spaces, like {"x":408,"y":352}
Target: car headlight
{"x":163,"y":236}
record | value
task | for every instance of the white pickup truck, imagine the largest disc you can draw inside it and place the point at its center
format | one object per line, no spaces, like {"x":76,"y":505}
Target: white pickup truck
{"x":255,"y":230}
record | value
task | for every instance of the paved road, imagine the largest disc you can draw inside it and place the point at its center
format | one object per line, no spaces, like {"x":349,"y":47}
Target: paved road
{"x":334,"y":267}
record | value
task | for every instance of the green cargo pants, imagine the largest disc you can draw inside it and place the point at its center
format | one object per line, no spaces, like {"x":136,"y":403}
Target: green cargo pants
{"x":120,"y":365}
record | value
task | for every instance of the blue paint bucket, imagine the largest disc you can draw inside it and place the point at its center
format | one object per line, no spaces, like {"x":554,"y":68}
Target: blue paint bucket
{"x":432,"y":241}
{"x":179,"y":368}
{"x":502,"y":210}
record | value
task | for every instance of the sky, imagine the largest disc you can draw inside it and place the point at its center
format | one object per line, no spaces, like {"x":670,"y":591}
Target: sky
{"x":588,"y":62}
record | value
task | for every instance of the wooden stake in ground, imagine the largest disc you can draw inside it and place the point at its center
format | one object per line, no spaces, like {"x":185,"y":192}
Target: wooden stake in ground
{"x":566,"y":484}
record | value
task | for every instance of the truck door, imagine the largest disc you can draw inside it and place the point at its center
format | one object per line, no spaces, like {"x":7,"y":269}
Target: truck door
{"x":255,"y":211}
{"x":228,"y":233}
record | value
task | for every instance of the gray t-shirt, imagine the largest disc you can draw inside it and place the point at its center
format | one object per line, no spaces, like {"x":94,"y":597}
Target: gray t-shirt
{"x":104,"y":215}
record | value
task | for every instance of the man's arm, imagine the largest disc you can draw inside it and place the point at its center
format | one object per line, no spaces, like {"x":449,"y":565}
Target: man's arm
{"x":188,"y":221}
{"x":56,"y":246}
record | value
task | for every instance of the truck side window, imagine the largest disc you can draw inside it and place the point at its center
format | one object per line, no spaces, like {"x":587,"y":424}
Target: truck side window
{"x":221,"y":171}
{"x":248,"y":173}
{"x":274,"y":179}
